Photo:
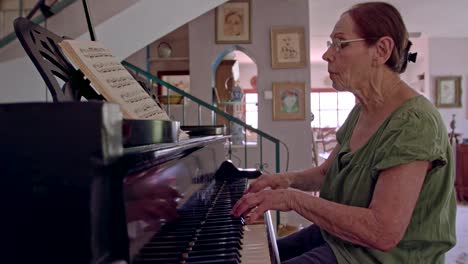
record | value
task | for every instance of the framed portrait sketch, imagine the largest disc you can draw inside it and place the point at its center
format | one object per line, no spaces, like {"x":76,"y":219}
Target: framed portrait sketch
{"x":448,"y":91}
{"x":233,"y":22}
{"x":288,"y":47}
{"x":289,"y":101}
{"x":179,"y":79}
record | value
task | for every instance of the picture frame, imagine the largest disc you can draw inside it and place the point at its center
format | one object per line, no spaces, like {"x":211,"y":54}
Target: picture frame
{"x":448,"y":91}
{"x":233,"y":23}
{"x":179,"y":79}
{"x":288,"y":48}
{"x":289,"y":101}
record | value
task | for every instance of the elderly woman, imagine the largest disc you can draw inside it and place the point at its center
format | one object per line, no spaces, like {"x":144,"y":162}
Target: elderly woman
{"x":386,"y":190}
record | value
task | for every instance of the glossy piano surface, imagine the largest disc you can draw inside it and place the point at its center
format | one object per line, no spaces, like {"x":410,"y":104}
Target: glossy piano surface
{"x":75,"y":194}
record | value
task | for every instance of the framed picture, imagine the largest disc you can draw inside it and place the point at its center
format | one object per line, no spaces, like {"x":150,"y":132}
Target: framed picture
{"x":289,"y":101}
{"x":233,"y":22}
{"x":288,"y":47}
{"x":179,"y":79}
{"x":448,"y":91}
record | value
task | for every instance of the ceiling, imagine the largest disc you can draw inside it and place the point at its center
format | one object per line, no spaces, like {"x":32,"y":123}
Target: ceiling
{"x":432,"y":18}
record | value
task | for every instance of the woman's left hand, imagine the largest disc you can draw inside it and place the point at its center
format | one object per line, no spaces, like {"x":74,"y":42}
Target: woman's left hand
{"x":253,"y":205}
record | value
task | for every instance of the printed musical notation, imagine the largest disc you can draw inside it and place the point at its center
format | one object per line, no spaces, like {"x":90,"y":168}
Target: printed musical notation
{"x":93,"y":52}
{"x":112,"y":80}
{"x":108,"y":67}
{"x":147,"y":111}
{"x":134,"y":96}
{"x":120,"y":82}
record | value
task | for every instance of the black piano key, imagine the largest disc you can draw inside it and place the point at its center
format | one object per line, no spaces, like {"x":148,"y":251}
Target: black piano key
{"x":200,"y":245}
{"x":222,"y":256}
{"x":220,"y":217}
{"x":221,"y":229}
{"x":215,"y":261}
{"x":218,"y":235}
{"x":161,"y":248}
{"x":177,"y":238}
{"x":214,"y":251}
{"x":157,"y":260}
{"x":218,"y":242}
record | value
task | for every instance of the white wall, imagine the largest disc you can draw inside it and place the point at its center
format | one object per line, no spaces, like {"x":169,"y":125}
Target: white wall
{"x":203,"y":52}
{"x":449,"y":56}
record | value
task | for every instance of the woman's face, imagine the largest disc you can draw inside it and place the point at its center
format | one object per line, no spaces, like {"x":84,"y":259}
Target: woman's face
{"x":233,"y":25}
{"x":350,"y":66}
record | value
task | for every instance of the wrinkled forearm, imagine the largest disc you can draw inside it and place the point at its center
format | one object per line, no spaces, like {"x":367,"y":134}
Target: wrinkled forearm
{"x":354,"y":224}
{"x":307,"y":180}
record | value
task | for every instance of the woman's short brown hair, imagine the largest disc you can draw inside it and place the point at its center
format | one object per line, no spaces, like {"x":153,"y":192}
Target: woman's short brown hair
{"x":378,"y":19}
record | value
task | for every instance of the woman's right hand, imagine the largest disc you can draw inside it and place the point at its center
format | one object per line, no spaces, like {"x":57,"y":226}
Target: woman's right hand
{"x":272,"y":181}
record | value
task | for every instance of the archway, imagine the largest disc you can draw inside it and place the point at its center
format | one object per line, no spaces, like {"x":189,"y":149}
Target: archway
{"x":234,"y":91}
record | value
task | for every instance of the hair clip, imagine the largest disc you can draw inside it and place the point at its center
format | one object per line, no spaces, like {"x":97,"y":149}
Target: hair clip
{"x":412,"y":56}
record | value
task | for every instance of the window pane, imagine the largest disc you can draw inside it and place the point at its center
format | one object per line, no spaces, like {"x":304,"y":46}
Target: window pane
{"x":328,"y":100}
{"x":251,"y":109}
{"x":328,"y":118}
{"x":251,"y":102}
{"x":252,"y":119}
{"x":346,"y":100}
{"x":314,"y":102}
{"x":330,"y":108}
{"x":316,"y":121}
{"x":342,"y":115}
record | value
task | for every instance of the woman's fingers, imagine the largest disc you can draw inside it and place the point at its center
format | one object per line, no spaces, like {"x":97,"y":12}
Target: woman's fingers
{"x":253,"y":205}
{"x":255,"y":213}
{"x":247,"y":203}
{"x":261,"y":183}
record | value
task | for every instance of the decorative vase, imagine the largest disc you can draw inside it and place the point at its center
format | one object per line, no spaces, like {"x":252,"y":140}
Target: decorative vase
{"x":164,"y":50}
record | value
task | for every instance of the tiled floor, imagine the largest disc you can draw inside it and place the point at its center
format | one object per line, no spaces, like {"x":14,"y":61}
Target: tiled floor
{"x":459,"y":254}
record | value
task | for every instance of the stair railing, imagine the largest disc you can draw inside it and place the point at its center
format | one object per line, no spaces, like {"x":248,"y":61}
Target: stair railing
{"x":262,"y":135}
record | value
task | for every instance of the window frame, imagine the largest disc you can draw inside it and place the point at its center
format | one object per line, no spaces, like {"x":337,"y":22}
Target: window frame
{"x":317,"y":118}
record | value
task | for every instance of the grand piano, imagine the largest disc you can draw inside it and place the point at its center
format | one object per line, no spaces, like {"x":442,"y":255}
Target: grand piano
{"x":83,"y":185}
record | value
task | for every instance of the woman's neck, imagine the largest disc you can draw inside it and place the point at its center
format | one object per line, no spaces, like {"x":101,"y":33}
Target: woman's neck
{"x":382,"y":94}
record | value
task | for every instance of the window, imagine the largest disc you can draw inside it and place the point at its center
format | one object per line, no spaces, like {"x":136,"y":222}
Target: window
{"x":251,"y":109}
{"x":330,"y":108}
{"x":251,"y":113}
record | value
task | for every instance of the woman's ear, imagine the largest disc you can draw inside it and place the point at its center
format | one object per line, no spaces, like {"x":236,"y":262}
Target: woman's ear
{"x":383,"y":49}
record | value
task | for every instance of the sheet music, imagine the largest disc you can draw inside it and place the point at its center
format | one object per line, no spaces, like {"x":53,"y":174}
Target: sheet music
{"x":112,"y":79}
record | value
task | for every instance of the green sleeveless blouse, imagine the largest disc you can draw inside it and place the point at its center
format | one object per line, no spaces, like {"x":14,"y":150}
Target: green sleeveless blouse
{"x":415,"y":131}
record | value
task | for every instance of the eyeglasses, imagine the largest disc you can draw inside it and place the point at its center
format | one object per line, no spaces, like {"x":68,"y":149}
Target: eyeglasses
{"x":338,"y":43}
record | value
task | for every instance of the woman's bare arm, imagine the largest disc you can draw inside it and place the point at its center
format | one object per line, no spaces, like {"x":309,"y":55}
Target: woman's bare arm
{"x":380,"y":226}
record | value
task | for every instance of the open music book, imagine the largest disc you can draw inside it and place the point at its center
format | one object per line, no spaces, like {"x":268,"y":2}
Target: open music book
{"x":112,"y":80}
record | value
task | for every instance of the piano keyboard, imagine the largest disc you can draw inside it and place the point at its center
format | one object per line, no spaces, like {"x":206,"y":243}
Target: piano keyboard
{"x":206,"y":232}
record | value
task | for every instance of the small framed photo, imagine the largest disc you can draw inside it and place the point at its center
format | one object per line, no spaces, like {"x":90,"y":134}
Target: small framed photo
{"x":289,"y":101}
{"x":288,"y":47}
{"x":233,"y":21}
{"x":448,"y":91}
{"x":179,"y":79}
